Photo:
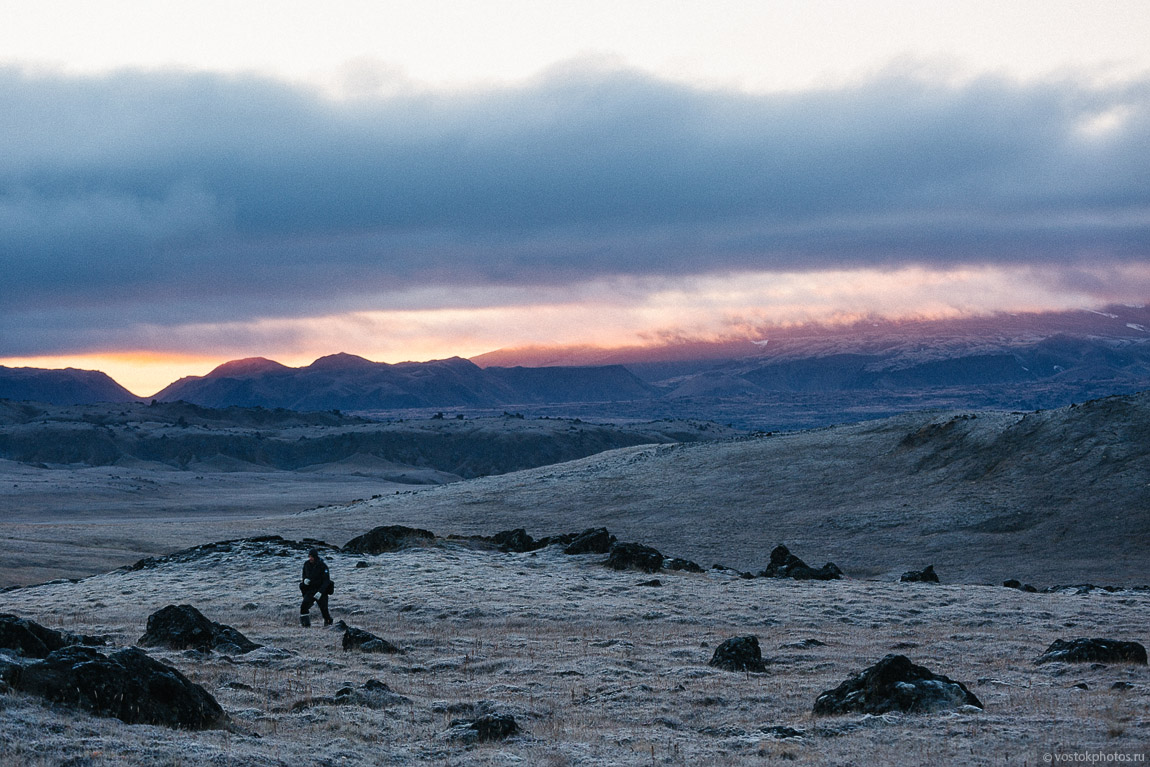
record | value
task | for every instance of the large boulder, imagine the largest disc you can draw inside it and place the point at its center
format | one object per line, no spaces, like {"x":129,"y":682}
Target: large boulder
{"x":895,"y":684}
{"x":634,"y":556}
{"x":595,"y":540}
{"x":365,"y":641}
{"x":516,"y":541}
{"x":32,"y":640}
{"x":1093,"y":651}
{"x":484,"y":728}
{"x":127,"y":685}
{"x":925,"y":575}
{"x":739,"y":654}
{"x":182,"y":627}
{"x":381,"y":540}
{"x":784,"y":564}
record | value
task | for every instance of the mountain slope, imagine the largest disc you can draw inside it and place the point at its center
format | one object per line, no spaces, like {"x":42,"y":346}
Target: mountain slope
{"x":1053,"y":496}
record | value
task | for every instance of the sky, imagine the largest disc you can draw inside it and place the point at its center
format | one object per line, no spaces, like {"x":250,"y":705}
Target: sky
{"x":184,"y":183}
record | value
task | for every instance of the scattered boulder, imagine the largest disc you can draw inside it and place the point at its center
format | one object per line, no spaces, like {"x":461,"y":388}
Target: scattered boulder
{"x":926,"y":575}
{"x":371,"y":694}
{"x":1014,"y":584}
{"x":654,"y":582}
{"x":365,"y":641}
{"x":635,"y":556}
{"x":484,"y":728}
{"x":387,"y":538}
{"x":895,"y":684}
{"x":1093,"y":651}
{"x":516,"y":541}
{"x":784,"y":564}
{"x":739,"y":654}
{"x":685,"y":565}
{"x":128,"y":685}
{"x":182,"y":627}
{"x":32,"y":640}
{"x":595,"y":540}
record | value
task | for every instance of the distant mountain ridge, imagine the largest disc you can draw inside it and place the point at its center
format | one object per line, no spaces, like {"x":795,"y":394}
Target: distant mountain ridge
{"x":347,"y":382}
{"x":792,"y":377}
{"x":61,"y":387}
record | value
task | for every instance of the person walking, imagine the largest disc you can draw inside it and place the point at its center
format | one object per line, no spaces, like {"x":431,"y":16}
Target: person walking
{"x":315,"y":586}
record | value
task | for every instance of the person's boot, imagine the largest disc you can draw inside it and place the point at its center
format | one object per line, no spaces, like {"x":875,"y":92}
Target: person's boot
{"x":327,"y":621}
{"x":305,"y":620}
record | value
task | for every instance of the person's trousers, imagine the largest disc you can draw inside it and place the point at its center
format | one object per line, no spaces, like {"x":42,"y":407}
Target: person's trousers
{"x":310,"y":599}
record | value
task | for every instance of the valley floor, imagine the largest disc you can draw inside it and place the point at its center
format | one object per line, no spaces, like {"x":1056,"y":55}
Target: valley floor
{"x":597,"y":667}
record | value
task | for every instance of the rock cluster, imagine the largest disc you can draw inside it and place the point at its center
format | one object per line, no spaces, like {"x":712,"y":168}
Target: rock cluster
{"x":128,"y":684}
{"x":387,"y":538}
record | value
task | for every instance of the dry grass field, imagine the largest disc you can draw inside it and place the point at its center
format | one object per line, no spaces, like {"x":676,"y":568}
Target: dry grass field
{"x":596,"y":667}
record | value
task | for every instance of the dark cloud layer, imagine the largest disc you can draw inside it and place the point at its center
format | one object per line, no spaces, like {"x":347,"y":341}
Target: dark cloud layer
{"x":173,"y":197}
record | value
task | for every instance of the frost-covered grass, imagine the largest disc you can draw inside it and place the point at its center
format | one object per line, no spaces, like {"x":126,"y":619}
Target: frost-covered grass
{"x":596,"y":668}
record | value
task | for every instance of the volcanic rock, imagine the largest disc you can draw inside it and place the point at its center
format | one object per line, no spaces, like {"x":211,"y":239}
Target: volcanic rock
{"x":635,"y":556}
{"x":485,"y":728}
{"x":127,"y":685}
{"x":184,"y":627}
{"x":594,"y":540}
{"x":1016,"y":584}
{"x":517,"y":541}
{"x":387,"y":538}
{"x":32,"y":640}
{"x":895,"y":684}
{"x":1093,"y":651}
{"x":365,"y":641}
{"x":784,"y":564}
{"x":926,"y":575}
{"x":739,"y":654}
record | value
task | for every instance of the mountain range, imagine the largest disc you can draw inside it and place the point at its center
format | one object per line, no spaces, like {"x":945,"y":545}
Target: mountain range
{"x":793,"y":377}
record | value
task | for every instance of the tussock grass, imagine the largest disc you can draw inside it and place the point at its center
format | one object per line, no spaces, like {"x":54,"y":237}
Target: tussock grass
{"x":596,"y":669}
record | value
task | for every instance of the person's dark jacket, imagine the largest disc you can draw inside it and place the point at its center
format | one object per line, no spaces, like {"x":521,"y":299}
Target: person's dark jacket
{"x":316,"y":578}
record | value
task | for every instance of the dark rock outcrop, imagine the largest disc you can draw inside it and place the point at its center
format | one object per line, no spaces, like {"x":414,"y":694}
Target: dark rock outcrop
{"x":365,"y":641}
{"x":895,"y":684}
{"x":1015,"y":584}
{"x":635,"y":556}
{"x":484,"y":728}
{"x":1093,"y":651}
{"x":594,"y":540}
{"x":32,"y":640}
{"x":784,"y":564}
{"x":128,"y":685}
{"x":516,"y":541}
{"x":182,"y":627}
{"x":684,"y":565}
{"x":739,"y":654}
{"x":387,"y":538}
{"x":371,"y":694}
{"x":926,"y":575}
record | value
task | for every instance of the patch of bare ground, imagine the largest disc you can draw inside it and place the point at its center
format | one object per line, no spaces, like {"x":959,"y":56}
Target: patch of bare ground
{"x":596,"y":668}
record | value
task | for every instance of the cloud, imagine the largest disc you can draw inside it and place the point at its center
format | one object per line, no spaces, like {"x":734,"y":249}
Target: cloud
{"x":170,"y":197}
